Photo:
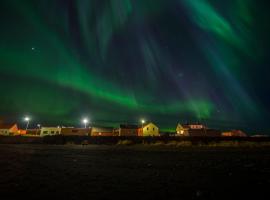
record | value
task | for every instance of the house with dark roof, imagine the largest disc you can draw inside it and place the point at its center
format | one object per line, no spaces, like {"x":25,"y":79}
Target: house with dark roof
{"x":103,"y":131}
{"x":196,"y":130}
{"x":128,"y":130}
{"x":71,"y":131}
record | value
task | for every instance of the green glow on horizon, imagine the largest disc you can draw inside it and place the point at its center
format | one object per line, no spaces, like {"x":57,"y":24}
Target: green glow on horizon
{"x":133,"y":58}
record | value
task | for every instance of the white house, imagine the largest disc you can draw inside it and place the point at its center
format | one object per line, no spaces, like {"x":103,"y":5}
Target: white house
{"x":46,"y":131}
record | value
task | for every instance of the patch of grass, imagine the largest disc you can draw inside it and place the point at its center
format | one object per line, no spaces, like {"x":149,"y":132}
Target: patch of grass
{"x":85,"y":142}
{"x":158,"y":143}
{"x":172,"y":143}
{"x":184,"y":144}
{"x":70,"y":143}
{"x":223,"y":144}
{"x":125,"y":142}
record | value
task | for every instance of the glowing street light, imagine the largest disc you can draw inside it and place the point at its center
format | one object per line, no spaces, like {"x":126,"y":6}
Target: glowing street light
{"x":27,"y":119}
{"x":85,"y":122}
{"x":38,"y":125}
{"x":142,"y":121}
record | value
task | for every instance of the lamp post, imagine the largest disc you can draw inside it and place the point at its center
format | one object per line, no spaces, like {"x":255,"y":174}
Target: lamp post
{"x":27,"y":119}
{"x":85,"y":122}
{"x":142,"y":121}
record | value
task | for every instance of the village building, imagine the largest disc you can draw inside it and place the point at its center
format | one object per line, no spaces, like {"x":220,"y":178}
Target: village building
{"x":21,"y":132}
{"x":128,"y":130}
{"x":234,"y":133}
{"x":32,"y":132}
{"x":149,"y":129}
{"x":103,"y":131}
{"x":49,"y":131}
{"x":182,"y":130}
{"x":71,"y":131}
{"x":8,"y":129}
{"x":196,"y":130}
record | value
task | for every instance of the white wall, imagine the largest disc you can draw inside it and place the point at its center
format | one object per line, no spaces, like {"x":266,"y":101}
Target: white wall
{"x":45,"y":131}
{"x":4,"y":131}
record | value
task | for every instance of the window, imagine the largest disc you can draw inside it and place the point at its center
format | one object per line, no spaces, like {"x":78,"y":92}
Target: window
{"x":74,"y":131}
{"x":153,"y":129}
{"x":147,"y":128}
{"x":57,"y":132}
{"x":52,"y":132}
{"x":45,"y":132}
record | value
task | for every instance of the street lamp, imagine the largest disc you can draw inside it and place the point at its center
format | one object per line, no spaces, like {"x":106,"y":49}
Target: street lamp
{"x":85,"y":122}
{"x":142,"y":121}
{"x":27,"y":119}
{"x":38,"y":125}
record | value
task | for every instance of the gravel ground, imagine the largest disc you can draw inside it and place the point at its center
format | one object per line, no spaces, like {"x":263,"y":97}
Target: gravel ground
{"x":133,"y":172}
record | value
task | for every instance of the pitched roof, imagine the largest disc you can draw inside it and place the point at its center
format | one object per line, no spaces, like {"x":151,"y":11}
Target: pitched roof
{"x":185,"y":126}
{"x":148,"y":124}
{"x":6,"y":126}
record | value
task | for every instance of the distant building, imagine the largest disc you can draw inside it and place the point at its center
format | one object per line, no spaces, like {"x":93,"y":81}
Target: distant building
{"x":196,"y":130}
{"x":234,"y":133}
{"x":49,"y":131}
{"x":33,"y":132}
{"x":260,"y":136}
{"x":182,"y":130}
{"x":75,"y":131}
{"x":21,"y":132}
{"x":128,"y":130}
{"x":103,"y":131}
{"x":8,"y":129}
{"x":149,"y":129}
{"x":187,"y":129}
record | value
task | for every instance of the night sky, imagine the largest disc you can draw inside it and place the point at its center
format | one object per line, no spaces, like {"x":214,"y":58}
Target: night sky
{"x":115,"y":61}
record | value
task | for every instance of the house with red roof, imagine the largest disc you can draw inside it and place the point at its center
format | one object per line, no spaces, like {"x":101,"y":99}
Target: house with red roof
{"x":8,"y":129}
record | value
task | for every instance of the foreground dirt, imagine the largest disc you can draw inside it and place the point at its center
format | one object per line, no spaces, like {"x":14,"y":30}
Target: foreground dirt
{"x":141,"y":172}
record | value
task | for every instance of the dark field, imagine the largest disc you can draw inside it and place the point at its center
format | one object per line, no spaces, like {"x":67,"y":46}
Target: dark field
{"x":129,"y":172}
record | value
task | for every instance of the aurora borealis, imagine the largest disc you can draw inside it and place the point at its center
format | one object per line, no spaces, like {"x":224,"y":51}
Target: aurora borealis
{"x":121,"y":60}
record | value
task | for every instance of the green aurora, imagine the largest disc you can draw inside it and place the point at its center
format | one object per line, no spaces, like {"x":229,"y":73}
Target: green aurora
{"x":119,"y":61}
